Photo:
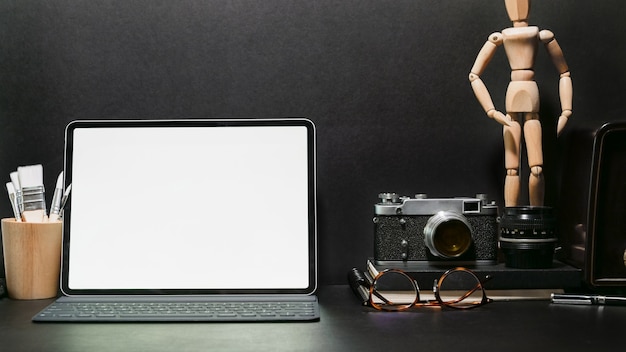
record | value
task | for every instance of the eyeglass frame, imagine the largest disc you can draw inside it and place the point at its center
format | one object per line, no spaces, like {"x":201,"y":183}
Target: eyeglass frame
{"x":436,"y":290}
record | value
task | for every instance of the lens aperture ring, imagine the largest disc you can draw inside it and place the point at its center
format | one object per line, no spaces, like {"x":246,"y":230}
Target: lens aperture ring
{"x":526,"y":232}
{"x":528,"y":222}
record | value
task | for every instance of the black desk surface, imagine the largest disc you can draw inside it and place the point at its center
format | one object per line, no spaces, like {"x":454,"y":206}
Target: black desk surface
{"x":344,"y":326}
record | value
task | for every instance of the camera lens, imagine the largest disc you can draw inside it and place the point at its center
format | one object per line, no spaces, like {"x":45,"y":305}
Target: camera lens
{"x":447,"y":234}
{"x":528,"y":237}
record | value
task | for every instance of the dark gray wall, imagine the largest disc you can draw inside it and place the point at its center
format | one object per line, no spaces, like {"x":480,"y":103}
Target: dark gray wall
{"x":385,"y":82}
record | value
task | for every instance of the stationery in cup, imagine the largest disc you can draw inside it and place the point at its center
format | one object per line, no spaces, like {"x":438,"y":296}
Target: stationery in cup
{"x":27,"y":195}
{"x":32,"y":239}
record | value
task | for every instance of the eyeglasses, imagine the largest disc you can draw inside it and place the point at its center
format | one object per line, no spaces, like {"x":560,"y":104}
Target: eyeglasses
{"x":459,"y":288}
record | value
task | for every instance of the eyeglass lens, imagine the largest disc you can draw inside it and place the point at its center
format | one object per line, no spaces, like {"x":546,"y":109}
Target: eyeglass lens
{"x":393,"y":290}
{"x":460,"y":288}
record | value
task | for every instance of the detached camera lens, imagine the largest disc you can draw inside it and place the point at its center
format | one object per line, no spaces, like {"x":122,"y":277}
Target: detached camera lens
{"x":447,"y":235}
{"x":528,"y":237}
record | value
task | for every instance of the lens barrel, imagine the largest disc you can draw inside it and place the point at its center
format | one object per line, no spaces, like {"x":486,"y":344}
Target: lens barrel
{"x":528,"y":237}
{"x":447,"y":234}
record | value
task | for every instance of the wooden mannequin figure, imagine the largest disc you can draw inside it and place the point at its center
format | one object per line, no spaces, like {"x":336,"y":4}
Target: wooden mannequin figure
{"x":522,"y":97}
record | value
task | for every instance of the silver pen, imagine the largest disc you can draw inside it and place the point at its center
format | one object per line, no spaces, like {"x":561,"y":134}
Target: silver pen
{"x":592,"y":299}
{"x":55,"y":207}
{"x":64,"y":198}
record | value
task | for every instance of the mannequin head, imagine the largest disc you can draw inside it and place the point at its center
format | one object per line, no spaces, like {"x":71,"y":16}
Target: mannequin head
{"x":518,"y":11}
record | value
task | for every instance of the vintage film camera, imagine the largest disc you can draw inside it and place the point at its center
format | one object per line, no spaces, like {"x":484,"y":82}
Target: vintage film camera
{"x":450,"y":231}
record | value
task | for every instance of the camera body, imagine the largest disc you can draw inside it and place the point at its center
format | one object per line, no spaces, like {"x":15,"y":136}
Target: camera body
{"x":447,"y":231}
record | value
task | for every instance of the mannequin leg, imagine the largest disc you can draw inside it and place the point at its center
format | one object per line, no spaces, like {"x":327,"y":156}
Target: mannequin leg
{"x":512,"y":140}
{"x":536,"y":183}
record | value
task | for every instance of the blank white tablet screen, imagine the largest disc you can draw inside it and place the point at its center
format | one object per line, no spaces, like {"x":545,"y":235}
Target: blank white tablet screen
{"x":189,"y":208}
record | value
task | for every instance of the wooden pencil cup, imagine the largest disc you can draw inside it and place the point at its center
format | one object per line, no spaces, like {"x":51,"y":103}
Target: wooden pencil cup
{"x":32,"y":258}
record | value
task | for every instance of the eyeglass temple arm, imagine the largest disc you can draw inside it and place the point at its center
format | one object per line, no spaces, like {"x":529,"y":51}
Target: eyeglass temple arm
{"x":478,"y":285}
{"x":379,"y":296}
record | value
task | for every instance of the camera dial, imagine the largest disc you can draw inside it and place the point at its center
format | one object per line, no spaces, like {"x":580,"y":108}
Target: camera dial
{"x":389,"y":198}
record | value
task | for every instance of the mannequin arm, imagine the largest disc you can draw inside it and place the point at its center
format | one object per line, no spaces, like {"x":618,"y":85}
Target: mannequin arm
{"x":480,"y":90}
{"x":566,"y":96}
{"x":566,"y":92}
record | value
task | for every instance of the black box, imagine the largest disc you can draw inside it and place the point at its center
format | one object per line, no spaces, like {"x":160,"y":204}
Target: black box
{"x":592,"y":204}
